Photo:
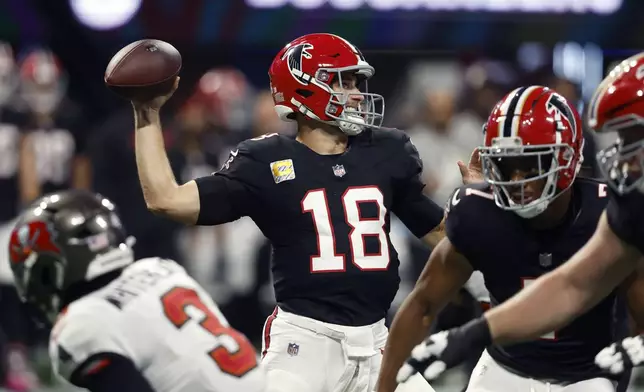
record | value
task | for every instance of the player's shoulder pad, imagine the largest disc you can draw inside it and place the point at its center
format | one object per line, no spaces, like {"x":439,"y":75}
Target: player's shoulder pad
{"x":593,"y":188}
{"x":259,"y":149}
{"x":154,"y":264}
{"x":468,"y":209}
{"x":89,"y":326}
{"x":263,"y":148}
{"x":398,"y":143}
{"x":389,"y":135}
{"x":468,"y":199}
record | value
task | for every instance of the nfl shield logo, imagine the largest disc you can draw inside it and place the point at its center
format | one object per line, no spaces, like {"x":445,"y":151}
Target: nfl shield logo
{"x":293,"y":349}
{"x":545,"y":259}
{"x":339,"y":171}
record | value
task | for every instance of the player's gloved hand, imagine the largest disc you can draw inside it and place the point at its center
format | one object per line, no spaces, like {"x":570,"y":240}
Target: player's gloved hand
{"x":621,"y":356}
{"x":445,"y":350}
{"x":473,"y":172}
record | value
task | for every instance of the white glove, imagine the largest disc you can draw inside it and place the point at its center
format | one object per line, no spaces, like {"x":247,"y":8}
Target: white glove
{"x":621,"y":356}
{"x":446,"y":349}
{"x":425,"y":358}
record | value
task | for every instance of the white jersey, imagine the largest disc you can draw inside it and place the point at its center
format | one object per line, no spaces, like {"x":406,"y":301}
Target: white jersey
{"x":160,"y":318}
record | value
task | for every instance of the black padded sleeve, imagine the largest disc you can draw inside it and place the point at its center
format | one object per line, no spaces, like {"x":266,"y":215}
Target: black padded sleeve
{"x":419,"y":213}
{"x":109,"y":372}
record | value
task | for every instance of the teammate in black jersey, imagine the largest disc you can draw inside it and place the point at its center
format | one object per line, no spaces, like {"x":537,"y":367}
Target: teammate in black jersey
{"x":612,"y":254}
{"x":529,"y":218}
{"x":324,"y":201}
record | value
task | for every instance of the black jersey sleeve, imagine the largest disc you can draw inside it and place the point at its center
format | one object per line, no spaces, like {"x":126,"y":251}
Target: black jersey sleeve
{"x":623,"y":216}
{"x":462,"y":222}
{"x":230,"y":193}
{"x":419,"y":213}
{"x":109,"y":372}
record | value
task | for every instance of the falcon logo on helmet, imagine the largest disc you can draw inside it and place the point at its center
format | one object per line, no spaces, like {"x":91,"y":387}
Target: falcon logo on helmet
{"x":32,"y":237}
{"x":557,"y":106}
{"x":295,"y":54}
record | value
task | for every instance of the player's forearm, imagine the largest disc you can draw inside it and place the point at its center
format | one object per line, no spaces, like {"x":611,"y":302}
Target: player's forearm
{"x":155,"y":173}
{"x":564,"y":294}
{"x":555,"y":299}
{"x":82,"y":173}
{"x":435,"y":236}
{"x":409,"y":327}
{"x":29,"y":182}
{"x":519,"y":319}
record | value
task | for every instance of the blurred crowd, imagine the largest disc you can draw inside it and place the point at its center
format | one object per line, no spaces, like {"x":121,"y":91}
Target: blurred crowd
{"x":47,"y":143}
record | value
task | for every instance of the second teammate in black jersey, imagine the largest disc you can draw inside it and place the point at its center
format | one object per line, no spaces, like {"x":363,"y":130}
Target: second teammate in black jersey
{"x":612,"y":256}
{"x":530,"y":217}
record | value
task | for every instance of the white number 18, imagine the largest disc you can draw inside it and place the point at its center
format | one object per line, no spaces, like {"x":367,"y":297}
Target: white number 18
{"x":328,"y":260}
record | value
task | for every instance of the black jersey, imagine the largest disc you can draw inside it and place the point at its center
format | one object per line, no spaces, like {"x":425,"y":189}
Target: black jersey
{"x":56,"y":145}
{"x":11,"y":124}
{"x":327,"y":217}
{"x":511,"y":255}
{"x":625,"y":215}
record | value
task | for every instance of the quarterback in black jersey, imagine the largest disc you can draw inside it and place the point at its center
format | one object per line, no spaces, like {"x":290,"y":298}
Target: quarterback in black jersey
{"x":608,"y":259}
{"x":530,"y":216}
{"x":324,"y":201}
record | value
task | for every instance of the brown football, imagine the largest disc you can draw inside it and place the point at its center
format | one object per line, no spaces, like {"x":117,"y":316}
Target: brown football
{"x":143,"y":70}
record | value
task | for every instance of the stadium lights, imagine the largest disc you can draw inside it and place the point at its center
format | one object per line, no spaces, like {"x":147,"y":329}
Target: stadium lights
{"x":582,"y":65}
{"x":104,"y":15}
{"x":520,"y":6}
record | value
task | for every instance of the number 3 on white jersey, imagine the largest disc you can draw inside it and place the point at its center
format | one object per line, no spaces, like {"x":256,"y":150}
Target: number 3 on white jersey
{"x":327,"y":260}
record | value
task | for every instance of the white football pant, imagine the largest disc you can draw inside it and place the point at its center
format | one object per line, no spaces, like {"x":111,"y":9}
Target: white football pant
{"x":306,"y":355}
{"x":489,"y":376}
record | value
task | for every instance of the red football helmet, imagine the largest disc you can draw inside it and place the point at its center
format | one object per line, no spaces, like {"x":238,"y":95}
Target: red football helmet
{"x":539,"y":126}
{"x":222,"y":97}
{"x":618,"y":106}
{"x":43,"y":82}
{"x":303,"y":76}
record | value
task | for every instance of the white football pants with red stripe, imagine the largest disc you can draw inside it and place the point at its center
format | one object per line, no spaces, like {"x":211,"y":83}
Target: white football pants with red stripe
{"x":305,"y":355}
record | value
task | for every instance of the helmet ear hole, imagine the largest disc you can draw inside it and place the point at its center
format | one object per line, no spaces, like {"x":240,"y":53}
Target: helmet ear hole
{"x":47,"y":275}
{"x":304,"y":93}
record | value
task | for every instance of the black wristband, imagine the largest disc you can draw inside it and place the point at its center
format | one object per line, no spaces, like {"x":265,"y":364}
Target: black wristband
{"x":461,"y":341}
{"x":477,"y":332}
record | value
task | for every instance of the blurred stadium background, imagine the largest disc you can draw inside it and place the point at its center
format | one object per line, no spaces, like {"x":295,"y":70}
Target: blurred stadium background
{"x":441,"y":65}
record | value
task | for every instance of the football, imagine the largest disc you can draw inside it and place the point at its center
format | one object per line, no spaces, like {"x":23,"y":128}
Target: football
{"x":143,"y":70}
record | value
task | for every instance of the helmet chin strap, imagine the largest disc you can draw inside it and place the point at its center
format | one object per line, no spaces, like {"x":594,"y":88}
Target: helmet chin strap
{"x":352,"y":127}
{"x":531,"y":211}
{"x":536,"y":207}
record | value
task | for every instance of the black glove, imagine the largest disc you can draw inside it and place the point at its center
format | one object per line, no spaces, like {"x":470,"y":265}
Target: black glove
{"x":446,"y":349}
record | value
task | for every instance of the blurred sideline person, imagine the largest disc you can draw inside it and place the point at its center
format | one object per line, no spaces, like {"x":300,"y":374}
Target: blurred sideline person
{"x":15,"y":372}
{"x":53,"y":155}
{"x":121,"y":325}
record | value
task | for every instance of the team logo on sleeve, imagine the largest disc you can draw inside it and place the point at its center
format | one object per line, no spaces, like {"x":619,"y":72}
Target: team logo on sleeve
{"x":230,"y":159}
{"x":282,"y":170}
